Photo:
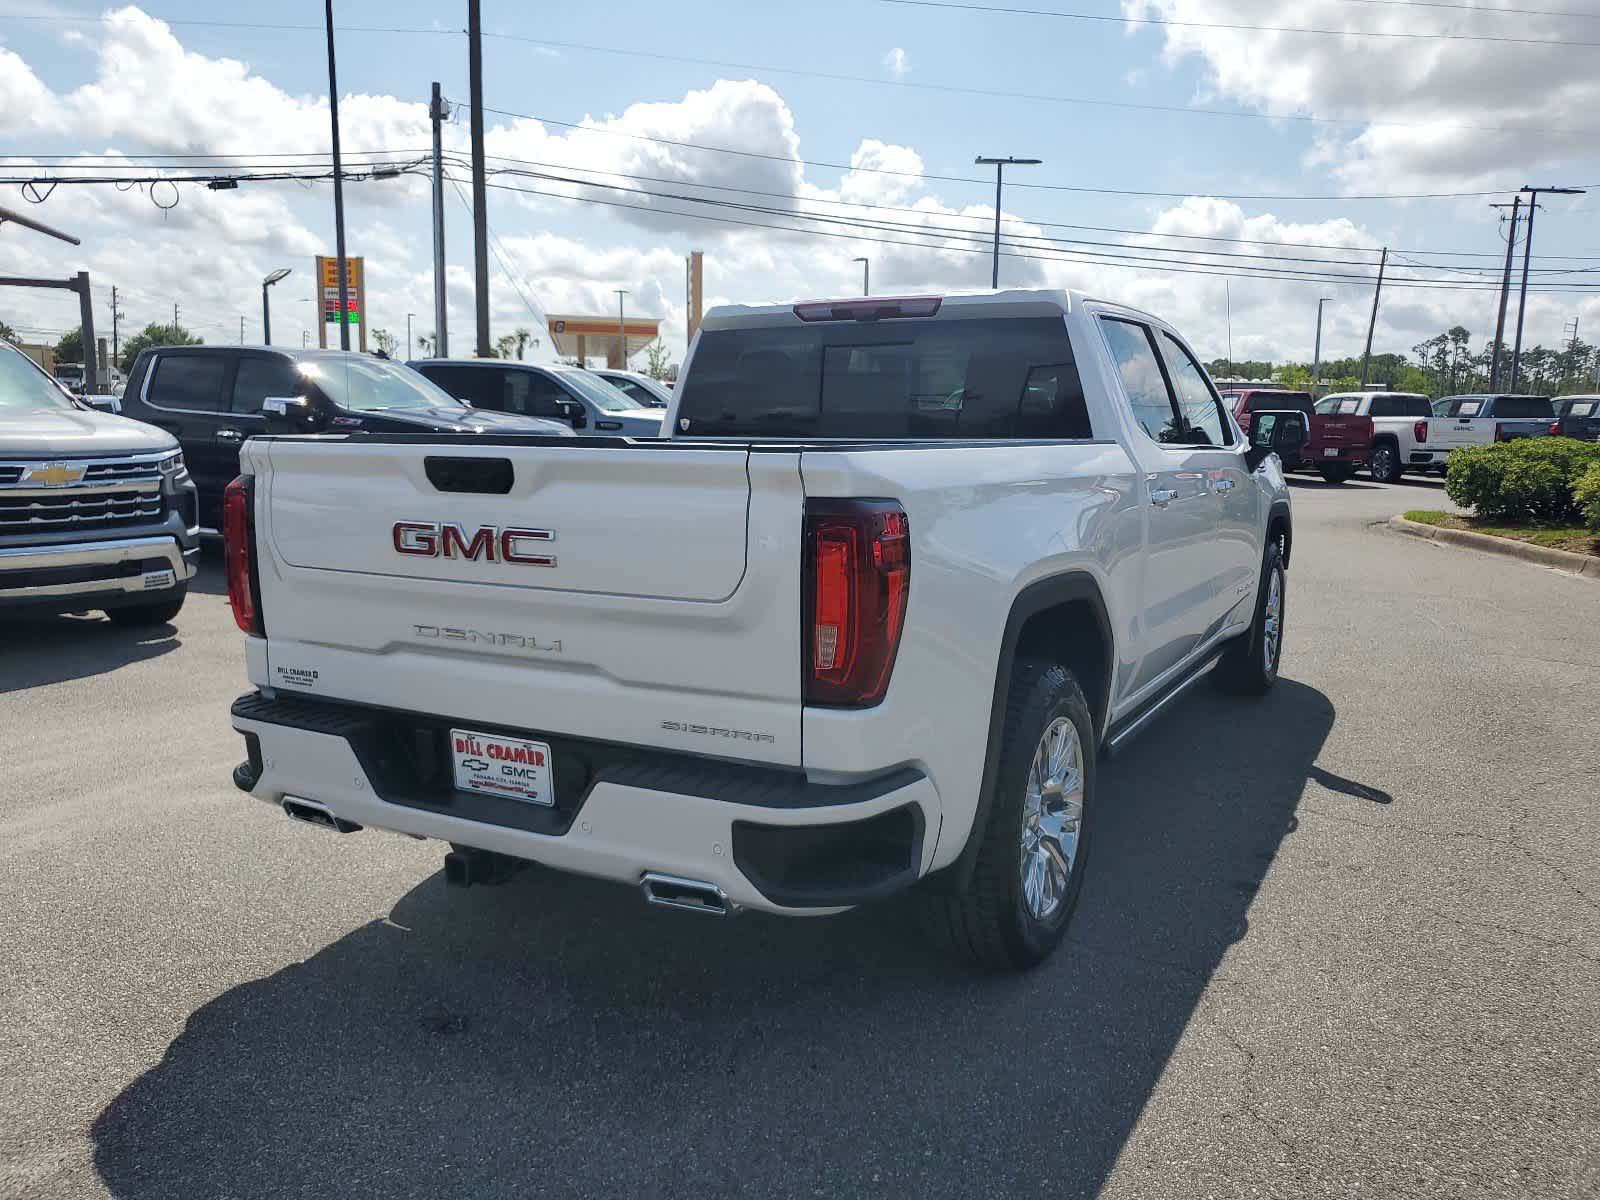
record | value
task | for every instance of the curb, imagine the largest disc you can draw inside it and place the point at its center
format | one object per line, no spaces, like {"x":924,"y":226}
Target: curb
{"x":1585,"y":565}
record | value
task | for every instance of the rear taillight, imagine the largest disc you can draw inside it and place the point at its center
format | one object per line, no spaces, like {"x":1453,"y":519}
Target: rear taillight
{"x":1420,"y":431}
{"x":1500,"y":433}
{"x":857,"y":575}
{"x":239,"y":554}
{"x":1555,"y":429}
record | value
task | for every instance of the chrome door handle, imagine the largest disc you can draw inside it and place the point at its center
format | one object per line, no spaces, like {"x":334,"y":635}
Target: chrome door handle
{"x":229,"y":435}
{"x":1162,"y":497}
{"x":1222,"y":485}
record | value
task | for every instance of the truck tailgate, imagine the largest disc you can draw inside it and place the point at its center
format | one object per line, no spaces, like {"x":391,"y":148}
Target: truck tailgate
{"x":1454,"y":432}
{"x":1338,"y":433}
{"x":646,"y":594}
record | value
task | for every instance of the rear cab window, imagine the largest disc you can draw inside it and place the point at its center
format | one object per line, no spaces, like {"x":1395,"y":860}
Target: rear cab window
{"x":1524,"y":407}
{"x":902,"y":378}
{"x":1279,"y":402}
{"x":1400,"y":406}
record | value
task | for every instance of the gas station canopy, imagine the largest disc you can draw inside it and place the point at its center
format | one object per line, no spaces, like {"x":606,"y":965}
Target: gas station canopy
{"x":583,"y":337}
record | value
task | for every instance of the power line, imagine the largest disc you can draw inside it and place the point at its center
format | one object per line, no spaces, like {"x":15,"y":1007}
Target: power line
{"x":951,"y":216}
{"x":1298,"y":29}
{"x":1236,"y":273}
{"x":496,"y":248}
{"x":987,"y":183}
{"x":1481,"y":8}
{"x":992,"y":93}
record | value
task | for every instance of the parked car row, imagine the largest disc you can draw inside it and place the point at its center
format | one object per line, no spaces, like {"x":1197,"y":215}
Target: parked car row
{"x":1395,"y":432}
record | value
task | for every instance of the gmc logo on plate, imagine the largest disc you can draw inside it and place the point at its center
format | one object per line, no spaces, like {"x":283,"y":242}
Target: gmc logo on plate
{"x":436,"y":539}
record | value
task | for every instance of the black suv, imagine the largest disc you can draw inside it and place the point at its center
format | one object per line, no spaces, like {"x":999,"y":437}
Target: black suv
{"x":213,"y":398}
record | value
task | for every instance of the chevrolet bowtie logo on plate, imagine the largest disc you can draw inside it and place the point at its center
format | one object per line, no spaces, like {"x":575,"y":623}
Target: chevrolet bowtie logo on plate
{"x":57,"y":474}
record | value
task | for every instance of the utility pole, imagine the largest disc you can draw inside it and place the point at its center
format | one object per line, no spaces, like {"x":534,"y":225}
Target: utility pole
{"x":1505,"y":293}
{"x":408,"y":335}
{"x":338,"y":192}
{"x":437,"y":112}
{"x":1227,"y":302}
{"x":480,"y":191}
{"x":175,"y":314}
{"x":866,"y":275}
{"x":1527,"y":257}
{"x":1316,"y":354}
{"x":116,"y":316}
{"x":1366,"y":355}
{"x":622,"y":334}
{"x":241,"y":329}
{"x":999,"y":165}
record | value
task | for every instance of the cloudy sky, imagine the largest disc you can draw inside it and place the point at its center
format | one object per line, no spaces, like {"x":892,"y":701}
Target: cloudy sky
{"x":1187,"y":161}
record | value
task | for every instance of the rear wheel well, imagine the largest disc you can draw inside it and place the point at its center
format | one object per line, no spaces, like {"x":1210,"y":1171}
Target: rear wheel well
{"x":1279,"y":530}
{"x":1070,"y":634}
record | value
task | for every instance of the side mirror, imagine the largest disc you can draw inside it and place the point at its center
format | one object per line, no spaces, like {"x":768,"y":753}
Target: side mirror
{"x":1283,"y":433}
{"x":293,"y":413}
{"x":108,"y":404}
{"x":572,"y":413}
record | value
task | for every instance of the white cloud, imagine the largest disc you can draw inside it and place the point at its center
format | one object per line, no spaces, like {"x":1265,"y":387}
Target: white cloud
{"x":898,"y":62}
{"x":1438,"y":113}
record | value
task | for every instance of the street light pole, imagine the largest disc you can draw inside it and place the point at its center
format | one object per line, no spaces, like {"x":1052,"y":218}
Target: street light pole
{"x":866,"y":275}
{"x":1316,"y":354}
{"x":622,"y":333}
{"x":338,"y":191}
{"x":1527,"y":257}
{"x":408,"y":335}
{"x":999,"y":165}
{"x":266,"y":307}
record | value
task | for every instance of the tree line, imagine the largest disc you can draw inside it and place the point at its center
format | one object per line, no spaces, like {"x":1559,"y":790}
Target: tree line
{"x":1443,"y":365}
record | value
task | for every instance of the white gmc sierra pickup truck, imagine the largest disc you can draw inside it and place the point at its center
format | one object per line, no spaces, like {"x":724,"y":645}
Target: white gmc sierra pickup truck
{"x":904,"y":569}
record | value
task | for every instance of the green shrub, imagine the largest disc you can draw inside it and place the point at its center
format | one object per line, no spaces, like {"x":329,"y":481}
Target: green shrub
{"x":1586,"y":494}
{"x":1531,"y":479}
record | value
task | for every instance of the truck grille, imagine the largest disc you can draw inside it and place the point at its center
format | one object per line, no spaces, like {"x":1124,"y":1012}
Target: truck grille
{"x":112,"y":493}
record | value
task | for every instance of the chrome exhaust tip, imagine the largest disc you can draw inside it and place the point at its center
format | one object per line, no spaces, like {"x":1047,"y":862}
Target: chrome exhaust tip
{"x":320,"y":815}
{"x":692,"y":895}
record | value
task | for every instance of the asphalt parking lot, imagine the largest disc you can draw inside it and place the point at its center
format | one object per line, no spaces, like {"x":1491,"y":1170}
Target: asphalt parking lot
{"x":1344,"y":942}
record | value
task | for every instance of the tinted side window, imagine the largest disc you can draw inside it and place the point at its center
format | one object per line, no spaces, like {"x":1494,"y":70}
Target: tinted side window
{"x":1142,"y":380}
{"x":189,"y":381}
{"x":544,"y":394}
{"x":259,"y":377}
{"x":1522,"y":406}
{"x":979,"y":378}
{"x":1203,"y":422}
{"x":478,"y":386}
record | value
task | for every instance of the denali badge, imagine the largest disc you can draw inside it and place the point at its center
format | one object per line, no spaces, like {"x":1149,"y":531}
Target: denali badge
{"x":434,"y":539}
{"x":484,"y":637}
{"x":738,"y":735}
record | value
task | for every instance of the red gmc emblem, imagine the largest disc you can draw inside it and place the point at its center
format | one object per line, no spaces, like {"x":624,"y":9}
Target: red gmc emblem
{"x":436,"y":539}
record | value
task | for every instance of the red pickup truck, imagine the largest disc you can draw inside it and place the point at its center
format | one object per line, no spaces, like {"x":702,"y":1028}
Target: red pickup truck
{"x":1339,"y":444}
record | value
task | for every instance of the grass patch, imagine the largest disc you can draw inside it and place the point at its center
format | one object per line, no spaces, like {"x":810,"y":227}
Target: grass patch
{"x":1574,"y":538}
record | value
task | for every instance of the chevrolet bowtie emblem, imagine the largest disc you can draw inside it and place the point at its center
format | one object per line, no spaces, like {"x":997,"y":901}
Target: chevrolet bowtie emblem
{"x":52,"y":474}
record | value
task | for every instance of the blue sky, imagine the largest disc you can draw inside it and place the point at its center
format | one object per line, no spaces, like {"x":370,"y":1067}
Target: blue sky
{"x":1416,"y":117}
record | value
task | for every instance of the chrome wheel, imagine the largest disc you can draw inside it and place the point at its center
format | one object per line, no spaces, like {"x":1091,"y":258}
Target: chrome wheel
{"x":1052,"y":819}
{"x":1272,"y":620}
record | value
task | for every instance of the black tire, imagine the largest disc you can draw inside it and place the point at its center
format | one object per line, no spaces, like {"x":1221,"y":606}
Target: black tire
{"x":989,"y":922}
{"x":1246,"y":667}
{"x":1385,"y":464}
{"x":1336,"y":474}
{"x":157,"y":612}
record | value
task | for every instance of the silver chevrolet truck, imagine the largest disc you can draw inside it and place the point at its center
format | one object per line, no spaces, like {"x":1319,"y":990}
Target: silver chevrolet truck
{"x":96,"y":511}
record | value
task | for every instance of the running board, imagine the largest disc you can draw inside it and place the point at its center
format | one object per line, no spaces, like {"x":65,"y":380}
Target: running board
{"x":1126,"y":729}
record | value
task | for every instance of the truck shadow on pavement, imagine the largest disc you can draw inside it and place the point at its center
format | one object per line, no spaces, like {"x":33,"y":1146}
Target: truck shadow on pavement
{"x":46,"y":650}
{"x":555,"y":1036}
